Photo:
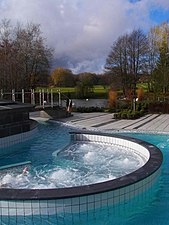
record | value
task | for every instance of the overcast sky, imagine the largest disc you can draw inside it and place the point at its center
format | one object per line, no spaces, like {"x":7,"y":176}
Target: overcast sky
{"x":82,"y":31}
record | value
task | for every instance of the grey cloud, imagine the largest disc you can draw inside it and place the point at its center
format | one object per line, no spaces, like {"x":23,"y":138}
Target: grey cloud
{"x":80,"y":31}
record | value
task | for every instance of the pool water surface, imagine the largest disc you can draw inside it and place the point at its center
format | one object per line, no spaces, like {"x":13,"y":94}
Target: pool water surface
{"x":77,"y":164}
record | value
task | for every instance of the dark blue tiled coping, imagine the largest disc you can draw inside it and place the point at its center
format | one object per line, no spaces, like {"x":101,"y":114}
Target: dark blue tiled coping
{"x":148,"y":169}
{"x":15,"y":128}
{"x":10,"y":105}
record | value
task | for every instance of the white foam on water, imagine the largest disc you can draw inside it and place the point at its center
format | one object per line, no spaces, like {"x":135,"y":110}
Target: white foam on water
{"x":90,"y":157}
{"x":63,"y":177}
{"x":79,"y":164}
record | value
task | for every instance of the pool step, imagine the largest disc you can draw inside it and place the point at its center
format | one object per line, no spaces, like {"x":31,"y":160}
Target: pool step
{"x":17,"y":166}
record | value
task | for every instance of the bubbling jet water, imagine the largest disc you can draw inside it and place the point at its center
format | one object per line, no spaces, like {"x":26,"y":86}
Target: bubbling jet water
{"x":77,"y":165}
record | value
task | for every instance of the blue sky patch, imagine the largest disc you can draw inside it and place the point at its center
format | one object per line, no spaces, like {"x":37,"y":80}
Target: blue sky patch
{"x":159,"y":15}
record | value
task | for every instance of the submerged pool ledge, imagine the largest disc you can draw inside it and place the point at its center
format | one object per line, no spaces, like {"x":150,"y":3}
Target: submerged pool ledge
{"x":88,"y":197}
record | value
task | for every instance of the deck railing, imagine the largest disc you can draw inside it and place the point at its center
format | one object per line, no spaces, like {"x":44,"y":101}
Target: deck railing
{"x":41,"y":98}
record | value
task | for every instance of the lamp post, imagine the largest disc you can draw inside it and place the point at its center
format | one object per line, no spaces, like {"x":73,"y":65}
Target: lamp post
{"x":59,"y":97}
{"x":134,"y":93}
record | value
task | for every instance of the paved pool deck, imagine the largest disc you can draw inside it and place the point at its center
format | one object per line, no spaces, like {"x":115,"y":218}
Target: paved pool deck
{"x":106,"y":121}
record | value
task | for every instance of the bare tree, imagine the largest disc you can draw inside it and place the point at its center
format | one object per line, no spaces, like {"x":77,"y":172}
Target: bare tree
{"x":33,"y":57}
{"x":117,"y":63}
{"x":128,"y":58}
{"x":24,"y":57}
{"x":6,"y":56}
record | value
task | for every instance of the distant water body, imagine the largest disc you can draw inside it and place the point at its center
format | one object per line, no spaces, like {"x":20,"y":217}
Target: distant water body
{"x":90,"y":102}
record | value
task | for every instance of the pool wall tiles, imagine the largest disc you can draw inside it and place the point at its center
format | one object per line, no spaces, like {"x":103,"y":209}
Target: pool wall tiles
{"x":18,"y":138}
{"x":112,"y":140}
{"x":77,"y":204}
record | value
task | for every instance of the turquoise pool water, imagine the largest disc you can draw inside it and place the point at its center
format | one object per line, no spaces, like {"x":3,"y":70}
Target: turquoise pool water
{"x":153,"y":210}
{"x":76,"y":165}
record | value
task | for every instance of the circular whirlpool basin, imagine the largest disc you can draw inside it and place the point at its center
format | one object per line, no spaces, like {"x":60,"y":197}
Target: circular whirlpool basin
{"x":78,"y":199}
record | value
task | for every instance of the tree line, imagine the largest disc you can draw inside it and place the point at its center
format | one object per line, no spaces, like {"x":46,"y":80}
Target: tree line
{"x":25,"y":61}
{"x":134,"y":57}
{"x":61,"y":77}
{"x":136,"y":54}
{"x":83,"y":82}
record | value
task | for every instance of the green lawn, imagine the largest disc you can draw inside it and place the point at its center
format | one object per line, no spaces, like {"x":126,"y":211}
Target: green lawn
{"x":97,"y":89}
{"x":143,"y":85}
{"x":55,"y":90}
{"x":100,"y":89}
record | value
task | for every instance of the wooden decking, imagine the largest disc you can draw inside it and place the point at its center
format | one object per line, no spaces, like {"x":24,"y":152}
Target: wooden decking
{"x":105,"y":121}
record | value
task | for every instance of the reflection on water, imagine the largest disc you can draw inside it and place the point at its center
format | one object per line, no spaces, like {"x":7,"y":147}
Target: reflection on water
{"x":90,"y":103}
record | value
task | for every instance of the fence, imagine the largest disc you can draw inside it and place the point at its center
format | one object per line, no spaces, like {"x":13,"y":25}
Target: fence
{"x":42,"y":98}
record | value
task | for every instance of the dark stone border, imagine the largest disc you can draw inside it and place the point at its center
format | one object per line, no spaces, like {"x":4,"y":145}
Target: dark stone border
{"x":14,"y":118}
{"x":148,"y":169}
{"x":17,"y":128}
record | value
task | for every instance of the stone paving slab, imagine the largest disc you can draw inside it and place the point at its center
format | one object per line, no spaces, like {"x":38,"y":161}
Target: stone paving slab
{"x":127,"y":124}
{"x":155,"y":122}
{"x":151,"y":122}
{"x":105,"y":121}
{"x":159,"y":124}
{"x":92,"y":121}
{"x":141,"y":121}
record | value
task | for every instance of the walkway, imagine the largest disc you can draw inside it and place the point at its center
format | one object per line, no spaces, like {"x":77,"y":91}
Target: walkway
{"x":150,"y":122}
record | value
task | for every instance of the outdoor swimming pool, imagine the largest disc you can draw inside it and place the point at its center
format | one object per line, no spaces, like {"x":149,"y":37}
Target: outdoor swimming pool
{"x":153,"y":211}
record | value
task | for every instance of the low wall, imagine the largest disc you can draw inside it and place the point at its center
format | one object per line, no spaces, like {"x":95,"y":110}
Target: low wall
{"x":10,"y":135}
{"x":54,"y":113}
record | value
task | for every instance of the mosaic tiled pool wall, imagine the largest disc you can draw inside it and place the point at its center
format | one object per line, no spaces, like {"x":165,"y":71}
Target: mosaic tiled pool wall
{"x":77,"y":200}
{"x":75,"y":204}
{"x":15,"y":124}
{"x":21,"y":137}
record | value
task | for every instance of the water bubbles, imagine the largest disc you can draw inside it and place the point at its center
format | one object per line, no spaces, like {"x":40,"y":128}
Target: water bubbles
{"x":62,"y":177}
{"x":89,"y":157}
{"x":126,"y":161}
{"x":79,"y":164}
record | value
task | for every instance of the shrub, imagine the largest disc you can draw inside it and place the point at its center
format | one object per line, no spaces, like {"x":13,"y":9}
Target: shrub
{"x":129,"y":114}
{"x":140,"y":94}
{"x":123,"y":104}
{"x":142,"y":106}
{"x":112,"y":99}
{"x":88,"y":109}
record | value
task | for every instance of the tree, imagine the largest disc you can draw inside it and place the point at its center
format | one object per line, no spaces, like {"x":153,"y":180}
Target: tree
{"x":85,"y":83}
{"x":117,"y":63}
{"x":160,"y":74}
{"x":6,"y":55}
{"x":62,"y":77}
{"x":24,"y":57}
{"x":128,"y":58}
{"x":88,"y":79}
{"x":152,"y":56}
{"x":105,"y":79}
{"x":33,"y":57}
